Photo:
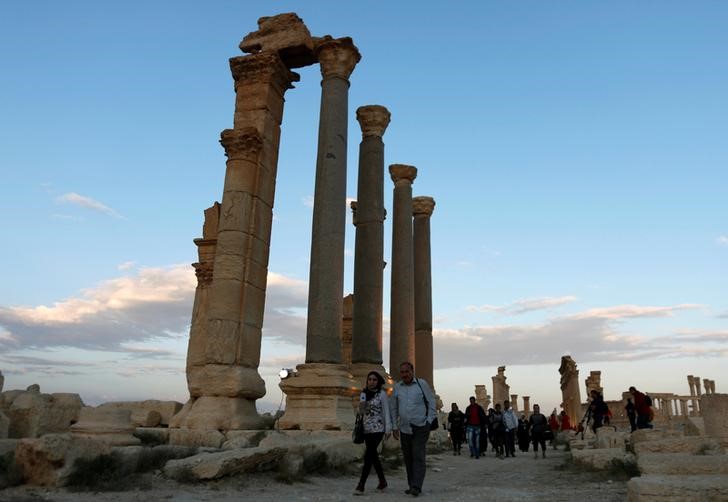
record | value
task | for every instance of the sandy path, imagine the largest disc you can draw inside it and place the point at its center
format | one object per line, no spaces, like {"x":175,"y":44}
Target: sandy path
{"x":448,"y":478}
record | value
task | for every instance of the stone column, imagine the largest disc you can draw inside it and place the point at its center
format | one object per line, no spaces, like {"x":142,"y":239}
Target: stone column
{"x":714,"y":408}
{"x":527,"y":406}
{"x":369,"y":217}
{"x":402,"y":331}
{"x":570,"y":389}
{"x":514,"y":402}
{"x":684,"y":407}
{"x":482,"y":397}
{"x":501,"y":390}
{"x":706,"y":385}
{"x":347,"y":329}
{"x":699,"y":394}
{"x":422,"y":208}
{"x":320,"y":396}
{"x":691,"y":383}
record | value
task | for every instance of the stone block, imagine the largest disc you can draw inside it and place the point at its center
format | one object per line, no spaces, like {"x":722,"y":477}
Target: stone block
{"x":242,"y":439}
{"x":652,"y":435}
{"x":205,"y":466}
{"x":682,"y":464}
{"x":190,"y":437}
{"x":52,"y":459}
{"x":694,"y":426}
{"x":32,"y":414}
{"x":604,"y":459}
{"x":654,"y":488}
{"x":285,"y":34}
{"x":152,"y":436}
{"x":687,"y":444}
{"x":148,"y":413}
{"x":110,"y":425}
{"x":715,"y":410}
{"x":607,"y":437}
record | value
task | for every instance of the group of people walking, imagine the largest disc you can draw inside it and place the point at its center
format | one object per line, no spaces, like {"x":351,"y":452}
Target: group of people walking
{"x":501,"y":427}
{"x":409,"y":415}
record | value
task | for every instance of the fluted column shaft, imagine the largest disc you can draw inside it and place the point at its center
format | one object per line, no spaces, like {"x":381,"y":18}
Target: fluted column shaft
{"x":326,"y":278}
{"x":402,"y":312}
{"x":369,"y":245}
{"x":422,"y":208}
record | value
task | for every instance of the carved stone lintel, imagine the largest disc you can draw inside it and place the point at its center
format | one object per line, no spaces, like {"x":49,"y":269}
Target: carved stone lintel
{"x":264,"y":68}
{"x":402,"y":173}
{"x":373,"y":120}
{"x":423,"y":206}
{"x":241,"y":144}
{"x":337,"y":57}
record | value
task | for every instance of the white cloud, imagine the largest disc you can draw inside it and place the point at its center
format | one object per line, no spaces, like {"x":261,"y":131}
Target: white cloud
{"x":89,"y":203}
{"x":524,"y":306}
{"x":722,"y":240}
{"x":631,"y":311}
{"x":308,"y":201}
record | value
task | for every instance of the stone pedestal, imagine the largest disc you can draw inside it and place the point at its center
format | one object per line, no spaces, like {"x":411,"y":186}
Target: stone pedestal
{"x":319,"y":397}
{"x":715,"y":416}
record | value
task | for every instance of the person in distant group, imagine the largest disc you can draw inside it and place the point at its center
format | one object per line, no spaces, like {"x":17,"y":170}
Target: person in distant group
{"x":597,"y":409}
{"x":631,"y":414}
{"x":498,"y":432}
{"x":456,"y":426}
{"x":510,"y":420}
{"x":413,"y":410}
{"x":643,"y":409}
{"x":522,"y":434}
{"x":484,"y":428}
{"x":552,"y":429}
{"x":474,"y":421}
{"x":539,"y":425}
{"x":565,"y":422}
{"x":374,"y":407}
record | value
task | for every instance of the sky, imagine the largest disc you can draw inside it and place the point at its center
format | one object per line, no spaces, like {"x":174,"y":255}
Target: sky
{"x":576,"y":151}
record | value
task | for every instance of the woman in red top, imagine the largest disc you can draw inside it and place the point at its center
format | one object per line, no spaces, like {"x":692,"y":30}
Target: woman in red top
{"x":565,"y":422}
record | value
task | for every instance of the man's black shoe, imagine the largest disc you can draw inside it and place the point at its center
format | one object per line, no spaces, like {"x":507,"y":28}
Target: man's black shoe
{"x":415,"y":492}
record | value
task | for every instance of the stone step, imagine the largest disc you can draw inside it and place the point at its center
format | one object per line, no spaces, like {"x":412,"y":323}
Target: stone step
{"x":654,"y":488}
{"x":688,"y":444}
{"x":682,"y":464}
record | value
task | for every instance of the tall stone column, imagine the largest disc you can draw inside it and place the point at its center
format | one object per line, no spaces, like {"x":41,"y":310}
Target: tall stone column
{"x":514,"y":402}
{"x":527,"y":405}
{"x":369,"y":215}
{"x":691,"y":383}
{"x":699,"y":395}
{"x":422,"y":208}
{"x":320,"y":397}
{"x":570,"y":389}
{"x":402,"y":308}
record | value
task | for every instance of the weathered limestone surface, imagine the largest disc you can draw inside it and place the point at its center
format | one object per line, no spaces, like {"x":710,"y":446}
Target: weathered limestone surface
{"x":108,"y":425}
{"x":285,"y":34}
{"x":206,"y":466}
{"x":149,"y":413}
{"x":501,"y":390}
{"x":694,"y":426}
{"x":196,"y":437}
{"x":651,"y":488}
{"x":32,"y":414}
{"x":715,"y":415}
{"x":641,"y":435}
{"x":682,"y":463}
{"x":692,"y":445}
{"x":50,"y":460}
{"x":570,"y":393}
{"x":603,"y":458}
{"x":152,"y":435}
{"x":4,"y":426}
{"x":607,"y":437}
{"x":422,"y":209}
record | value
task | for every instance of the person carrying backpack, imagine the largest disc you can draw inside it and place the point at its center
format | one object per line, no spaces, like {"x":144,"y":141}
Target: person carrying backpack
{"x":642,"y":405}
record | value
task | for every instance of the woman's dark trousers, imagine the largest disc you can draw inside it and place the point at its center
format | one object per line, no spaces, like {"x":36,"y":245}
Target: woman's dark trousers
{"x":538,"y":438}
{"x":371,"y":457}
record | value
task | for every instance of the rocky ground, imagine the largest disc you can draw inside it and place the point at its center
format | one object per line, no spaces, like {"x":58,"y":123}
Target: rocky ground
{"x":451,"y":478}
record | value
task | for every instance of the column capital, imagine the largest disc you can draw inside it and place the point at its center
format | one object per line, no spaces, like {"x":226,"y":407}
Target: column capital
{"x":423,"y":206}
{"x":337,"y":56}
{"x":241,"y":144}
{"x":402,"y":173}
{"x":262,"y":68}
{"x":373,"y":120}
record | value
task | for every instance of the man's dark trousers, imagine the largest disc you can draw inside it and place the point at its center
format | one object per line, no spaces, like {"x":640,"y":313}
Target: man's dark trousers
{"x":413,"y":451}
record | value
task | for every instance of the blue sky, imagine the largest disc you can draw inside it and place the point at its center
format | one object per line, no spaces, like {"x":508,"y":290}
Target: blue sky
{"x":576,"y":151}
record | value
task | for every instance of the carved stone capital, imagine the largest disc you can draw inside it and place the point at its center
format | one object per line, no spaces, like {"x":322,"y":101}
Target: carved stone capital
{"x":241,"y":144}
{"x":423,"y":206}
{"x":203,"y":272}
{"x":402,"y":173}
{"x":373,"y":120}
{"x":337,"y":57}
{"x":265,"y":68}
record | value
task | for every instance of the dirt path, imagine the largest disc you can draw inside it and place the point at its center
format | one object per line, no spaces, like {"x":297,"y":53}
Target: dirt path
{"x":448,"y":478}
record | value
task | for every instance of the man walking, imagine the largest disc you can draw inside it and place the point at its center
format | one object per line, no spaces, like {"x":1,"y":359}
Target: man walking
{"x":475,"y":420}
{"x":413,"y":410}
{"x":511,"y":422}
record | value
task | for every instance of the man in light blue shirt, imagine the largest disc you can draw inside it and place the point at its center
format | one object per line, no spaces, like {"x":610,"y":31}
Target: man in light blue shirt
{"x":511,"y":421}
{"x":413,"y":410}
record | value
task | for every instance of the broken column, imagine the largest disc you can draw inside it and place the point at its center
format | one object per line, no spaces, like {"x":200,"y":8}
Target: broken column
{"x":320,"y":396}
{"x":369,"y":245}
{"x":527,"y":405}
{"x":402,"y":330}
{"x":422,"y":208}
{"x":594,"y":382}
{"x":570,"y":393}
{"x":500,"y":388}
{"x":223,"y":391}
{"x":482,"y":397}
{"x":514,"y":402}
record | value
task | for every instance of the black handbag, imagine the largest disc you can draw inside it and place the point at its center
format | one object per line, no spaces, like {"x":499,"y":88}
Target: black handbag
{"x":357,"y":435}
{"x":434,"y":425}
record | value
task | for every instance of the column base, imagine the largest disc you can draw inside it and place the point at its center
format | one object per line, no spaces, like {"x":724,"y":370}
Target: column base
{"x":218,"y":413}
{"x":319,"y":397}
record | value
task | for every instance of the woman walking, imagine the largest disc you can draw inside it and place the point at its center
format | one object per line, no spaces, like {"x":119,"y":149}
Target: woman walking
{"x":456,"y":426}
{"x":374,"y":408}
